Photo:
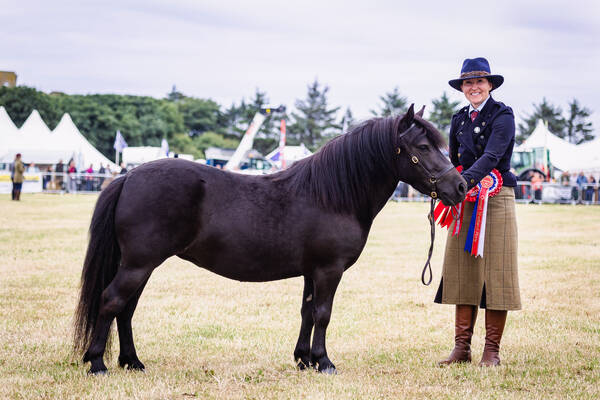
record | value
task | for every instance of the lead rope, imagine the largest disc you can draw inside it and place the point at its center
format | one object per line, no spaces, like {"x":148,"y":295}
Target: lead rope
{"x":428,"y":262}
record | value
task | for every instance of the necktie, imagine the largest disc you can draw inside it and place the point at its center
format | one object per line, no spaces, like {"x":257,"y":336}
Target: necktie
{"x":474,"y":114}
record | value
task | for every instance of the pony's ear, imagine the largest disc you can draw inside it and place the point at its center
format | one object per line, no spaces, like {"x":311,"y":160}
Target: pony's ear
{"x":420,"y":113}
{"x":410,"y":114}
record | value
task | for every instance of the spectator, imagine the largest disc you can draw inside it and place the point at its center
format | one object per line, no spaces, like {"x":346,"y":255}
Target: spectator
{"x":89,"y":179}
{"x":581,"y":179}
{"x":47,"y":177}
{"x":536,"y":185}
{"x":32,"y":168}
{"x":589,"y":191}
{"x":60,"y":170}
{"x":102,"y":172}
{"x":19,"y":168}
{"x":123,"y":169}
{"x":72,"y":177}
{"x":11,"y":167}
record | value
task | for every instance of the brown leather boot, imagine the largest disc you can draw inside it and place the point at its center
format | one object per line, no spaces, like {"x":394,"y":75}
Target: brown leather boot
{"x":464,"y":323}
{"x":494,"y":327}
{"x":18,"y":195}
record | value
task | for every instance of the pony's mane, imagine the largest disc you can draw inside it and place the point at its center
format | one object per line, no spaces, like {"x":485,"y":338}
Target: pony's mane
{"x":432,"y":133}
{"x":338,"y":175}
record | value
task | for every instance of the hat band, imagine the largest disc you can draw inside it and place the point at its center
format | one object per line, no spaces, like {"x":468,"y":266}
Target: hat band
{"x":474,"y":73}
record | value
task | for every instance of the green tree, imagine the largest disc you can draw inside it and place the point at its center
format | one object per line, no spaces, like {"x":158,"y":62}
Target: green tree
{"x":393,"y":104}
{"x":347,"y":120}
{"x":200,"y":115}
{"x":175,"y":95}
{"x":549,"y":113}
{"x":314,"y":123}
{"x":441,"y":114}
{"x":20,"y":101}
{"x":578,"y":129}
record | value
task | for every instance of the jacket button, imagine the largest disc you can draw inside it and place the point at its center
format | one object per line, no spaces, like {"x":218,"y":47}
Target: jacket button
{"x":458,"y":154}
{"x":481,"y":137}
{"x":472,"y":180}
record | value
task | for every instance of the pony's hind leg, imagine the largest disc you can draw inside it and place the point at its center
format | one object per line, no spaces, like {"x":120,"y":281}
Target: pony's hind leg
{"x":114,"y":300}
{"x":302,"y":351}
{"x":127,"y":354}
{"x":326,"y":281}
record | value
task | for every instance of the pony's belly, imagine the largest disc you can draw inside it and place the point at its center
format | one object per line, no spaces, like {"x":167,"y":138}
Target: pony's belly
{"x":246,"y":269}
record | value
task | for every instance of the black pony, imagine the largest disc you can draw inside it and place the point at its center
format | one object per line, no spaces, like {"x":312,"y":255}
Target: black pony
{"x":313,"y":220}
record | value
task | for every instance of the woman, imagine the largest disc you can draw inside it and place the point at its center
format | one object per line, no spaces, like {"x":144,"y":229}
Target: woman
{"x":482,"y":136}
{"x":72,"y":171}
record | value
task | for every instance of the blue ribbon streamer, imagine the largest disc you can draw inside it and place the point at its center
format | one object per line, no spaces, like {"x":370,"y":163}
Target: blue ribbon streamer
{"x":470,"y":233}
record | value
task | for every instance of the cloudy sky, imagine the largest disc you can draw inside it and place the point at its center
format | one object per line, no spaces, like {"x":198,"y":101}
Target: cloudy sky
{"x":224,"y":50}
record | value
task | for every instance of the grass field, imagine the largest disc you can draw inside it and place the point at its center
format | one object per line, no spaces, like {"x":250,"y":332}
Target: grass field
{"x":203,"y":336}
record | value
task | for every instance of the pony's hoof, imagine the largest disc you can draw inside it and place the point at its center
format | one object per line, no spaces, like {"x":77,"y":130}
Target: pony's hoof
{"x":100,"y":372}
{"x":132,"y":363}
{"x":136,"y":367}
{"x":329,"y":370}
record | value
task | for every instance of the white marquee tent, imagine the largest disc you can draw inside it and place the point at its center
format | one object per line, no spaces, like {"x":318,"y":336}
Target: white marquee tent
{"x":8,"y":131}
{"x":38,"y":144}
{"x":290,"y":153}
{"x":564,"y":155}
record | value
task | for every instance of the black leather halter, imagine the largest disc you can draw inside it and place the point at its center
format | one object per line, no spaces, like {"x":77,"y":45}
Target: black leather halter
{"x":433,"y":180}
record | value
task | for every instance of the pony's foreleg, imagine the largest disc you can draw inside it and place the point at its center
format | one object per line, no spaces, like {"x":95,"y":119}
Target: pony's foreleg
{"x":127,"y":353}
{"x":302,"y":351}
{"x":325,"y":284}
{"x":114,"y":299}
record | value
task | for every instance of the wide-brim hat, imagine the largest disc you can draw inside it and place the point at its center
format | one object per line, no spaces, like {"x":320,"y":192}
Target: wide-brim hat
{"x":476,"y":68}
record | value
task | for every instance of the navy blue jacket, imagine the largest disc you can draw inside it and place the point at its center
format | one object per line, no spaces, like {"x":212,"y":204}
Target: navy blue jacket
{"x":485,"y":143}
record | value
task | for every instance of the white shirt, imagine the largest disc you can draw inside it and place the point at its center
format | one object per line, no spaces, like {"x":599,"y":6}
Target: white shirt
{"x":478,"y":109}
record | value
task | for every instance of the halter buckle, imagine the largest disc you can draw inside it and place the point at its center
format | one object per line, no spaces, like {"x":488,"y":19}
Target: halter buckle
{"x":433,"y":195}
{"x":398,"y":151}
{"x":432,"y":180}
{"x":415,"y":159}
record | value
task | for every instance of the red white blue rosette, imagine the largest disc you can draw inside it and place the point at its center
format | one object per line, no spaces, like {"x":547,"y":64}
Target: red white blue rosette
{"x":488,"y":187}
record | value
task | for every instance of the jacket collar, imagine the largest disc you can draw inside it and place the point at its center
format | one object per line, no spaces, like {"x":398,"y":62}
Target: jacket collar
{"x":466,"y":127}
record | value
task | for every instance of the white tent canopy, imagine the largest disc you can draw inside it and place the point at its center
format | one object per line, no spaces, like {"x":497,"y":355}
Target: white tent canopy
{"x":67,"y":136}
{"x":564,"y":155}
{"x":8,"y":131}
{"x":561,"y":152}
{"x":590,"y":156}
{"x":291,"y":154}
{"x":38,"y":144}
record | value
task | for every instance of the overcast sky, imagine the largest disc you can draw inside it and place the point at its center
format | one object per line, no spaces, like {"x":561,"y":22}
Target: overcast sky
{"x":224,"y":50}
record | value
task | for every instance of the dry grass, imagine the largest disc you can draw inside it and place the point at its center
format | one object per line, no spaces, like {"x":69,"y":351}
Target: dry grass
{"x":203,"y":336}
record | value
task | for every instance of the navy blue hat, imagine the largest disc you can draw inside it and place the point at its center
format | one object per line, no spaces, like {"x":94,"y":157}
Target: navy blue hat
{"x":475,"y":68}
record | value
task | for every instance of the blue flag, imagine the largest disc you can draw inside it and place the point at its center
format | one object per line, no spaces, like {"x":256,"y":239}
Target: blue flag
{"x":120,"y":142}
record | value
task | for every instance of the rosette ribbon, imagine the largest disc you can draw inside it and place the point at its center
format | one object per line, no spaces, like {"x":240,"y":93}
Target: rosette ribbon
{"x":488,"y":187}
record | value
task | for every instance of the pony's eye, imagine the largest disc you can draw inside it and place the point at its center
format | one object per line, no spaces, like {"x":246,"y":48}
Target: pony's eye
{"x":423,"y":147}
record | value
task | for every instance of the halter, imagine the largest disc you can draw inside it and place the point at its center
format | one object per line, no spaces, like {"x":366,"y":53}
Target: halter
{"x":433,"y":180}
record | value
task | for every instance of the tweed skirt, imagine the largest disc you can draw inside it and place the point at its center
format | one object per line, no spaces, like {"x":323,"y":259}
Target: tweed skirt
{"x":491,"y":281}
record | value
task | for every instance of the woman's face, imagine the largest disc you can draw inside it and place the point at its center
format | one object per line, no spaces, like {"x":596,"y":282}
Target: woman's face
{"x":476,"y":90}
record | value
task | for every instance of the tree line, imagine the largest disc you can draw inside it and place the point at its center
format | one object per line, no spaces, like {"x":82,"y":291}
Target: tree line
{"x":192,"y":124}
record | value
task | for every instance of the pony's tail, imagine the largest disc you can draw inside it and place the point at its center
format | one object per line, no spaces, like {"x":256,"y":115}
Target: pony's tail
{"x":100,"y":265}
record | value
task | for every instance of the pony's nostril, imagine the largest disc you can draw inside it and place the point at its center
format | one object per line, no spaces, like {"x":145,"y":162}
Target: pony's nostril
{"x":462,"y":188}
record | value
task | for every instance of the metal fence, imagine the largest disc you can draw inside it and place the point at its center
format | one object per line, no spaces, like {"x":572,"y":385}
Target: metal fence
{"x":586,"y":193}
{"x":78,"y":182}
{"x":554,"y":193}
